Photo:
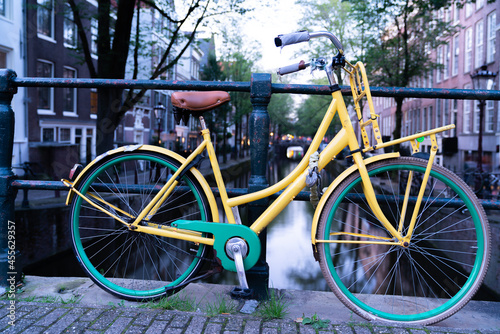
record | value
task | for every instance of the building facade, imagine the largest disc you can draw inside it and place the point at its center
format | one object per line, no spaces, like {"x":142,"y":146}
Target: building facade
{"x":61,"y":121}
{"x":470,"y":48}
{"x":13,"y":55}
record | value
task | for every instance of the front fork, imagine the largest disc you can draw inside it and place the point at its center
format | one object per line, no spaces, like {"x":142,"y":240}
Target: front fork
{"x":397,"y":234}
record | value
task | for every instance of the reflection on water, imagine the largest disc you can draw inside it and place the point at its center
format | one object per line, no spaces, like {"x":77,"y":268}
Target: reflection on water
{"x":289,"y":251}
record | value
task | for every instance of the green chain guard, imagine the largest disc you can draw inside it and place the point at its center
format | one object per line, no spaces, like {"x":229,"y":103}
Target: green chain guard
{"x":222,"y":233}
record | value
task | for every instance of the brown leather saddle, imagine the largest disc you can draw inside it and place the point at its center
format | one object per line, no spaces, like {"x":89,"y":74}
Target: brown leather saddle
{"x":196,"y":103}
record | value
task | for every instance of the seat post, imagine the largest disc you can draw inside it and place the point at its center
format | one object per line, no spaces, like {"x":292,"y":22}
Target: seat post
{"x":203,"y":124}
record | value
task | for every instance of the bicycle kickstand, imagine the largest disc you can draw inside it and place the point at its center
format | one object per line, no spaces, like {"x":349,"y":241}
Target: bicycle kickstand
{"x":237,"y":248}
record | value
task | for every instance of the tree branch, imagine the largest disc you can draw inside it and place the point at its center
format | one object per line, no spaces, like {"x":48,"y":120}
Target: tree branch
{"x":83,"y":39}
{"x":132,"y":99}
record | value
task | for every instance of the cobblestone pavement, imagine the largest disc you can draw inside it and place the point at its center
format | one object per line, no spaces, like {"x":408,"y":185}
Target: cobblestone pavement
{"x":36,"y":317}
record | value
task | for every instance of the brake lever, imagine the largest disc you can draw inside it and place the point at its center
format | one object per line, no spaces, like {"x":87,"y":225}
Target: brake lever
{"x":318,"y":64}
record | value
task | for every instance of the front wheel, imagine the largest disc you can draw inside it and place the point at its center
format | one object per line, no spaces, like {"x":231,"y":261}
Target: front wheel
{"x":131,"y":265}
{"x":426,"y":282}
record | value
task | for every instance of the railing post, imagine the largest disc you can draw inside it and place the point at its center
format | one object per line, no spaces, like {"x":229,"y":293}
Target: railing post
{"x":10,"y":271}
{"x":260,"y":95}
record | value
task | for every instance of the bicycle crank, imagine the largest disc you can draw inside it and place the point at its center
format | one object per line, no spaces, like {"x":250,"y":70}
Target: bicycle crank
{"x":231,"y":235}
{"x":237,"y":249}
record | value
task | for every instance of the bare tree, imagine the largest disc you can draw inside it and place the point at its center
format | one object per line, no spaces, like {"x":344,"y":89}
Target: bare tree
{"x":115,"y":38}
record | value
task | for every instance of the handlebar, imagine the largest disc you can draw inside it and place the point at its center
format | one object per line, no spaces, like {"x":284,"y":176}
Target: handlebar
{"x":293,"y":68}
{"x":304,"y":36}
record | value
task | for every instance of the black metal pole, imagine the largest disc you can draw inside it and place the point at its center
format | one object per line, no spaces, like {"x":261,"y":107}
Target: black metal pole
{"x":260,"y":95}
{"x":482,"y":103}
{"x":10,"y":270}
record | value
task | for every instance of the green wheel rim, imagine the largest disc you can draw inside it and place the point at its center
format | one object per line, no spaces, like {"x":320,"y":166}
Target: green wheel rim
{"x":447,"y":305}
{"x":83,"y":256}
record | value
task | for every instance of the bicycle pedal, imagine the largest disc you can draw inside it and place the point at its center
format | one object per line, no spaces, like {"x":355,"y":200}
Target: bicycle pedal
{"x":240,"y":293}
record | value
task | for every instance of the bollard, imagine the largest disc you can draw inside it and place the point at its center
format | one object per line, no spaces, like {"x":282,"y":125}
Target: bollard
{"x":260,"y":95}
{"x":10,"y":270}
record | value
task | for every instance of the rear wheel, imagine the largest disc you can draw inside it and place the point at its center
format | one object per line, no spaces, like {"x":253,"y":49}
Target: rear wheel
{"x":432,"y":278}
{"x":128,"y":264}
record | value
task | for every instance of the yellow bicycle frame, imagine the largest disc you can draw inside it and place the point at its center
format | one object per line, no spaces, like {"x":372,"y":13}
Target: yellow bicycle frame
{"x":295,"y":181}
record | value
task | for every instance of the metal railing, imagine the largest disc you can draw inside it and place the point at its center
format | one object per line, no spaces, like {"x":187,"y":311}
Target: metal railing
{"x":260,"y":88}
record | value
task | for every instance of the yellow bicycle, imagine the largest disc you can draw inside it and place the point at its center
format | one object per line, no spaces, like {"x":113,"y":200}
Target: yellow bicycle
{"x":398,"y":239}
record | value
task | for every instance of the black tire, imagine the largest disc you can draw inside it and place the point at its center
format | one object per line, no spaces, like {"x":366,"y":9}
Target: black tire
{"x":131,"y":265}
{"x":431,"y":279}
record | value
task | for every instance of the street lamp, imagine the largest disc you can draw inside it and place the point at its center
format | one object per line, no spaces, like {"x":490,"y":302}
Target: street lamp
{"x":482,"y":80}
{"x":159,"y":111}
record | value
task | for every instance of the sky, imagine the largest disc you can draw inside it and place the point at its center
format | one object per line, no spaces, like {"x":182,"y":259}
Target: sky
{"x":261,"y":26}
{"x":280,"y":17}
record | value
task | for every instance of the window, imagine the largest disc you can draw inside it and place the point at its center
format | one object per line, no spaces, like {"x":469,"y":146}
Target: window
{"x":424,"y":120}
{"x":439,"y":59}
{"x":65,"y":135}
{"x":468,"y":9}
{"x":429,"y":120}
{"x":466,"y":106}
{"x":158,"y":22}
{"x":45,"y":18}
{"x":476,"y":116}
{"x":93,"y":103}
{"x":479,"y":4}
{"x":456,"y":52}
{"x":447,"y":14}
{"x":5,"y":8}
{"x":489,"y":115}
{"x":446,"y":114}
{"x":446,"y":67}
{"x":456,"y":13}
{"x":468,"y":51}
{"x":490,"y":47}
{"x":195,"y":68}
{"x":69,"y":94}
{"x":48,"y":135}
{"x":3,"y":59}
{"x":454,"y":113}
{"x":93,"y":33}
{"x":69,"y":28}
{"x":479,"y":44}
{"x":45,"y":69}
{"x":439,"y":119}
{"x":417,"y":123}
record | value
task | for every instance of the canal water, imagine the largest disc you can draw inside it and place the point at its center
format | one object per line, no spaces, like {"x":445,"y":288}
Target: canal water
{"x":289,"y":251}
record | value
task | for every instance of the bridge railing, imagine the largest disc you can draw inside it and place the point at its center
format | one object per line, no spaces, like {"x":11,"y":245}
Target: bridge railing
{"x":260,"y":88}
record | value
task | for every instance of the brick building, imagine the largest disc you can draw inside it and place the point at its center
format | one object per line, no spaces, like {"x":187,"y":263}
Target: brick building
{"x":473,"y":46}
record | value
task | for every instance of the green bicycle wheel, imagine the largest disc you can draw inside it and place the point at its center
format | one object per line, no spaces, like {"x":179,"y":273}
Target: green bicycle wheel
{"x":132,"y":265}
{"x":426,"y":282}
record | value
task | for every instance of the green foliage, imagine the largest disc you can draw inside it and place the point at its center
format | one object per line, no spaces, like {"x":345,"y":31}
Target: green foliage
{"x":334,"y":16}
{"x":311,"y":112}
{"x":220,"y":306}
{"x":174,"y":302}
{"x":315,"y":322}
{"x":280,"y":110}
{"x":119,"y":304}
{"x":275,"y":308}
